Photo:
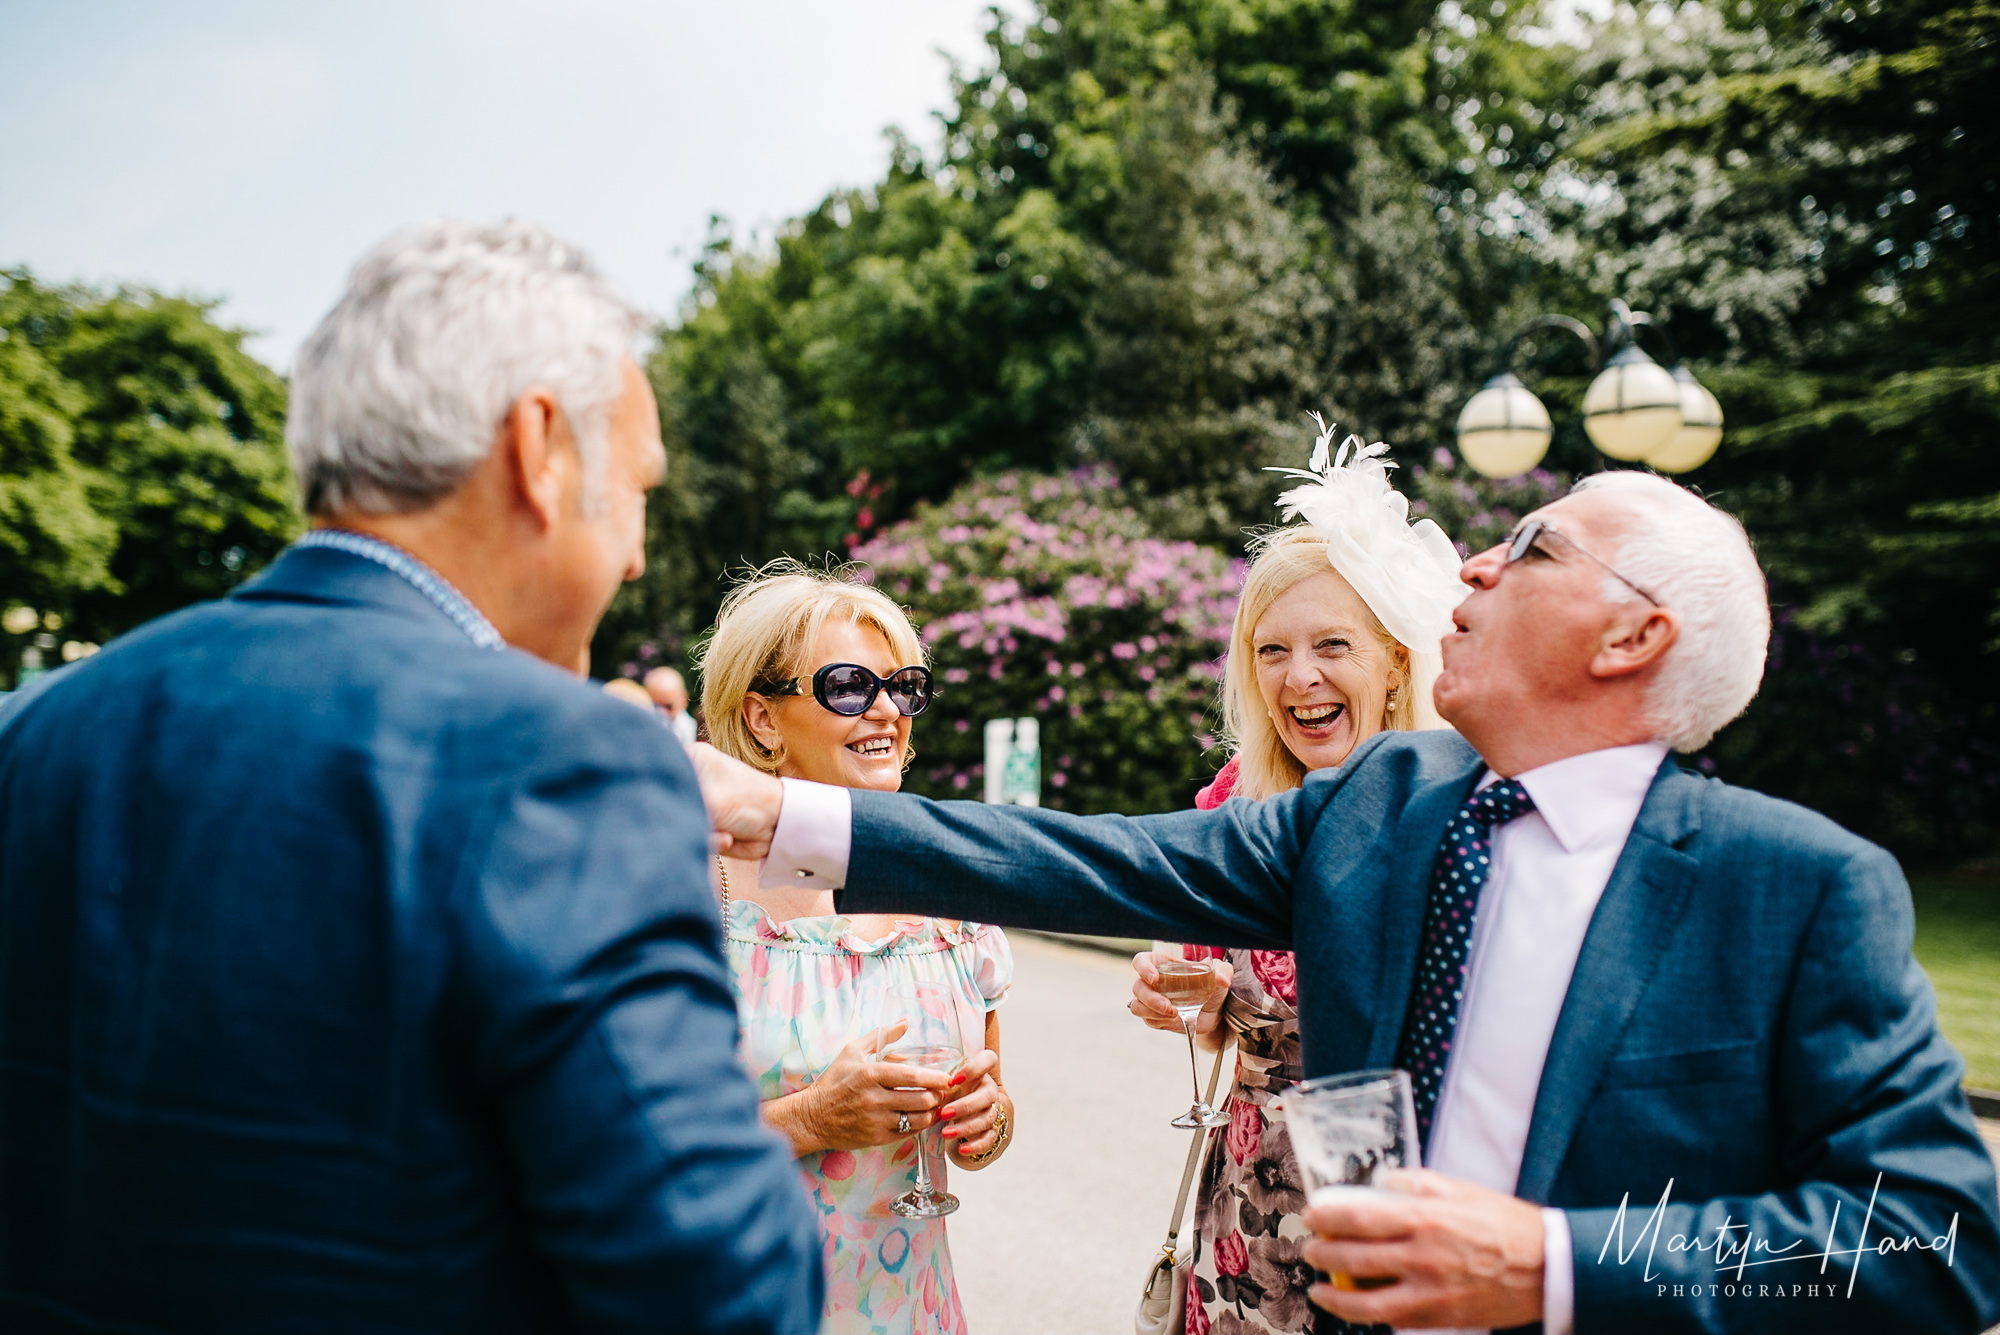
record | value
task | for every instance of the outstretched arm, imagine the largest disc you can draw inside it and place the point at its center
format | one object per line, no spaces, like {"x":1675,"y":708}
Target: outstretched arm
{"x":1223,"y":876}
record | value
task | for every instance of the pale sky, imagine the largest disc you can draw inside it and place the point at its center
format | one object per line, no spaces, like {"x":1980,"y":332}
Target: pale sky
{"x":252,"y":152}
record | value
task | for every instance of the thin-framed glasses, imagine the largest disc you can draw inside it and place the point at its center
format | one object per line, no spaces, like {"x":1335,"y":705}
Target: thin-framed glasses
{"x":849,"y":689}
{"x":1534,"y":530}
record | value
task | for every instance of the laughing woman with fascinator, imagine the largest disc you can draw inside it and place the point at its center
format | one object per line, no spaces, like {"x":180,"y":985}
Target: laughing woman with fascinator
{"x":810,"y":676}
{"x":1336,"y":638}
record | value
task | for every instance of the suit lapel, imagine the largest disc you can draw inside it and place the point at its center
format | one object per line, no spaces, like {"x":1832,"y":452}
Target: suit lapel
{"x":1404,"y":891}
{"x":1629,"y":931}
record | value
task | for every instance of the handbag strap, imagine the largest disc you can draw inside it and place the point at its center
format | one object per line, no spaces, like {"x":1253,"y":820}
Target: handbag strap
{"x":1194,"y":1158}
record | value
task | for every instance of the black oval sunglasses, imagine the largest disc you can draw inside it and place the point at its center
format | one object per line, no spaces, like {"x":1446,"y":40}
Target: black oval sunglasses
{"x":849,"y":689}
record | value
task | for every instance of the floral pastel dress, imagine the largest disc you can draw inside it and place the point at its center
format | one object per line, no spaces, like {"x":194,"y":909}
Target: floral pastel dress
{"x":805,"y":989}
{"x":1248,"y":1275}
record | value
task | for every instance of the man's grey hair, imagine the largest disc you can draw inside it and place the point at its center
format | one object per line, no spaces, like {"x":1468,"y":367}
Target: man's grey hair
{"x":1697,"y":560}
{"x":400,"y":392}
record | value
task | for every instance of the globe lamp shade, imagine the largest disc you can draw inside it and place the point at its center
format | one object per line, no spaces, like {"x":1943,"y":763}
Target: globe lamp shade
{"x":1701,"y":428}
{"x":1633,"y":407}
{"x":1503,"y":431}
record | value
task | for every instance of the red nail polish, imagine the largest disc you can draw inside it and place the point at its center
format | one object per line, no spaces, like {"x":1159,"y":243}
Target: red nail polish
{"x":958,"y":1079}
{"x":948,"y":1112}
{"x":949,"y":1131}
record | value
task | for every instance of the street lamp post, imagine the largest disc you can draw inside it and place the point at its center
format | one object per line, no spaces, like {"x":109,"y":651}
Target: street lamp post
{"x":1635,"y":410}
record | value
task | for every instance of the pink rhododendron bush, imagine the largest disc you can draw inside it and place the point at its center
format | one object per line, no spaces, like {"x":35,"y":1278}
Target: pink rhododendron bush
{"x":1046,"y":597}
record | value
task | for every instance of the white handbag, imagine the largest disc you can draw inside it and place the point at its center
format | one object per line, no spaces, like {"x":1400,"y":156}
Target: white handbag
{"x":1163,"y":1303}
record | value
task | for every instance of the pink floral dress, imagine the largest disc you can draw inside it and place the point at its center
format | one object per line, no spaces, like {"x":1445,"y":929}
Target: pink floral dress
{"x":805,"y":989}
{"x":1248,"y":1275}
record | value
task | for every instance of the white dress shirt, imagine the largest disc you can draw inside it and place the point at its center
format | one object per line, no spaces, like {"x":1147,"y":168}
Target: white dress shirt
{"x":1549,"y":869}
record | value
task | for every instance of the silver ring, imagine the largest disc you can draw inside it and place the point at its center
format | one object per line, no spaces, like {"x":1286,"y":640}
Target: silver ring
{"x":903,"y":1123}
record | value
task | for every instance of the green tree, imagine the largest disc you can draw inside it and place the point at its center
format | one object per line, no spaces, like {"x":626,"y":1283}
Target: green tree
{"x":1154,"y":236}
{"x":1805,"y":193}
{"x":52,"y":543}
{"x":141,"y":458}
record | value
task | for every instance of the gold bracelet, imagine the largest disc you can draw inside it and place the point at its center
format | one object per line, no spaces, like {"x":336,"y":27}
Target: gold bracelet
{"x":1003,"y":1128}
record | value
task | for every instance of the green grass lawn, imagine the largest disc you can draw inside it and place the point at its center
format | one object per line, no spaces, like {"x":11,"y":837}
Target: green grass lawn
{"x":1958,"y":943}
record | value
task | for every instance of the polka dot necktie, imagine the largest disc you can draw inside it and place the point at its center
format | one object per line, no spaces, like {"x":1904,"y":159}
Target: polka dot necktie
{"x":1464,"y":858}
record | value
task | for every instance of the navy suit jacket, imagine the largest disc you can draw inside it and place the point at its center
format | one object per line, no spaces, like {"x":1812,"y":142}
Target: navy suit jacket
{"x":355,"y":978}
{"x":1745,"y":1023}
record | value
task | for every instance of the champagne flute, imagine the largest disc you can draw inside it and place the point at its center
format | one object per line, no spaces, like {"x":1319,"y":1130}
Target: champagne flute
{"x":1345,"y":1129}
{"x":1188,"y":984}
{"x":934,"y":1040}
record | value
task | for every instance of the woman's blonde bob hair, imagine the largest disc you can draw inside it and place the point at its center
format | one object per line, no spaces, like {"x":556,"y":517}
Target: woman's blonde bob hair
{"x":1281,"y":558}
{"x":766,"y":631}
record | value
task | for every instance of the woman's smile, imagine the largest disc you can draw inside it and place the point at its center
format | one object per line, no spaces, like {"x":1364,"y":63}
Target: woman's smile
{"x":878,"y":746}
{"x":1317,"y":722}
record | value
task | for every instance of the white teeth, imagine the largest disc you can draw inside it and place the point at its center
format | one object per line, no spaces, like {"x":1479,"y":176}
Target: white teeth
{"x":874,"y":746}
{"x":1316,"y":713}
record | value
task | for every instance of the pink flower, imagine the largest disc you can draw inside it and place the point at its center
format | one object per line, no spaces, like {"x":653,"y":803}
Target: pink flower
{"x":1232,"y":1255}
{"x":838,"y":1165}
{"x":1278,"y":971}
{"x":1197,"y":1316}
{"x":1246,"y":1130}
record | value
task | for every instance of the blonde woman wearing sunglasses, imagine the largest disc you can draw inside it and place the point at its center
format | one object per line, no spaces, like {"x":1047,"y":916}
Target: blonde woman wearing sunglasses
{"x":809,"y":675}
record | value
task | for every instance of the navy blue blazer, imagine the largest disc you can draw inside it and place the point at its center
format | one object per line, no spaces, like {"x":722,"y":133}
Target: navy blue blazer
{"x":355,"y":978}
{"x":1746,"y":1023}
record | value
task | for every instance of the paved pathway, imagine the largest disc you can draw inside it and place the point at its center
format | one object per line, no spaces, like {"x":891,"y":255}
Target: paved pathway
{"x":1055,"y":1238}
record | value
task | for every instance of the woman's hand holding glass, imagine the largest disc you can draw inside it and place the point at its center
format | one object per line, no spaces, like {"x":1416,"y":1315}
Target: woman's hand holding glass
{"x":971,"y":1123}
{"x":860,"y":1100}
{"x":1150,"y":1005}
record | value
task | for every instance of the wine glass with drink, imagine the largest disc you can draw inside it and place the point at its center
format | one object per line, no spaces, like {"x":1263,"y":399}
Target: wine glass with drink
{"x":1346,"y":1129}
{"x":932,"y":1038}
{"x":1188,"y":984}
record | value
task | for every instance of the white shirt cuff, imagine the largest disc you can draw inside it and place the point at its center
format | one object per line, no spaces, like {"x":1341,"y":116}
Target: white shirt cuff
{"x":1558,"y":1274}
{"x":815,"y":831}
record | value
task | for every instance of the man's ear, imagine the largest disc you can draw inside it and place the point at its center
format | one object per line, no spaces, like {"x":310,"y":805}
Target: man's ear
{"x":1634,"y":643}
{"x":763,"y":724}
{"x":540,"y":455}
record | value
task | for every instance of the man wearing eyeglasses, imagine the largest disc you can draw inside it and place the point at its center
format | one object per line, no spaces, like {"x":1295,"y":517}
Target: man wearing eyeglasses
{"x":1675,"y":1068}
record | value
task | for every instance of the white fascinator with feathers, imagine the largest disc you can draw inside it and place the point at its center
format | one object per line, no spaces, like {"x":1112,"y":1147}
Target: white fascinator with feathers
{"x":1407,"y":573}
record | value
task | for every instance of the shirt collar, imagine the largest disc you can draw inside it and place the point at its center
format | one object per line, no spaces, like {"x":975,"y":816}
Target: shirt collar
{"x":419,"y":576}
{"x":1594,"y":798}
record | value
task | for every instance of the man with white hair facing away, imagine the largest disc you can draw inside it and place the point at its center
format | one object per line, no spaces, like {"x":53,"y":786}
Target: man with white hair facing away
{"x":359,"y":969}
{"x":1678,"y":1073}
